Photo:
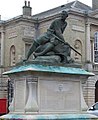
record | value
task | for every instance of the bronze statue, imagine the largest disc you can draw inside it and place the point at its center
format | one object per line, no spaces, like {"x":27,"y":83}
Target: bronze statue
{"x":52,"y":42}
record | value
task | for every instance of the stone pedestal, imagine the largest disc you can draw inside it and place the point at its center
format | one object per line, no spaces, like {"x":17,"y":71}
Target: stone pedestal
{"x":44,"y":89}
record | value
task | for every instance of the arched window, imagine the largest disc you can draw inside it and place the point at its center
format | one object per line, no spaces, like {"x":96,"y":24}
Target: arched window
{"x":12,"y":55}
{"x":96,"y":47}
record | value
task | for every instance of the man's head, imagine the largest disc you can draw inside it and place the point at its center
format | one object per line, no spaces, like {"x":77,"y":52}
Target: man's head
{"x":64,"y":14}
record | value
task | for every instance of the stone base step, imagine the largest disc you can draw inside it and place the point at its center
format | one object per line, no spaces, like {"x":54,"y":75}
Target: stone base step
{"x":49,"y":117}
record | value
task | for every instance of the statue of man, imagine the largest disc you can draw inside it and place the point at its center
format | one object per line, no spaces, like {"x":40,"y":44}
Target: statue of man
{"x":49,"y":41}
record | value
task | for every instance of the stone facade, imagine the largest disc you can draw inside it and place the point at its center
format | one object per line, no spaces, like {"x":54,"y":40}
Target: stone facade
{"x":17,"y":34}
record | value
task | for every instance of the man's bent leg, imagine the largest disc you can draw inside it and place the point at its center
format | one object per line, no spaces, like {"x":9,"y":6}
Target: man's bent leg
{"x":49,"y":46}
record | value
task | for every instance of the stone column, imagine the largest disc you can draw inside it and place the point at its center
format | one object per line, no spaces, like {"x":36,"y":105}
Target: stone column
{"x":2,"y":48}
{"x":88,"y":65}
{"x":88,"y":44}
{"x":36,"y":26}
{"x":31,"y":104}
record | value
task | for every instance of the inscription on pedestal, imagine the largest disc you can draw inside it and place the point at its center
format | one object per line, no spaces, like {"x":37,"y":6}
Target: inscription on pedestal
{"x":59,"y":96}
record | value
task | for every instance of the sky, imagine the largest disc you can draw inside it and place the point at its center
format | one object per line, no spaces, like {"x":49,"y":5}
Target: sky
{"x":13,"y":8}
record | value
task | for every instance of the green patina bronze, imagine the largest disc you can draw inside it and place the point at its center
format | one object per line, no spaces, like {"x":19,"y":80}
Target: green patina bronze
{"x":49,"y":68}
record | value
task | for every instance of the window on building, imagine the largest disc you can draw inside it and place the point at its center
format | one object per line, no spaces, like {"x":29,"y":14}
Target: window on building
{"x":96,"y":91}
{"x":96,"y":47}
{"x":27,"y":47}
{"x":12,"y":55}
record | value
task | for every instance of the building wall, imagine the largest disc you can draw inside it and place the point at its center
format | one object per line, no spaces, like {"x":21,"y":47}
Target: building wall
{"x":76,"y":31}
{"x":15,"y":35}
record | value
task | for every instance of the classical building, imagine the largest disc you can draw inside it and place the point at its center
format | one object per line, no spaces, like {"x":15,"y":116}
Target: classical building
{"x":17,"y":34}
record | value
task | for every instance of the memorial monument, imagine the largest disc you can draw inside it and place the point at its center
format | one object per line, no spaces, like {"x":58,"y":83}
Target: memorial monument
{"x":49,"y":86}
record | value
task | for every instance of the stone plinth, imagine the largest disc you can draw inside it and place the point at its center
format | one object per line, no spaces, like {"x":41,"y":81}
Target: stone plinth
{"x":45,"y":89}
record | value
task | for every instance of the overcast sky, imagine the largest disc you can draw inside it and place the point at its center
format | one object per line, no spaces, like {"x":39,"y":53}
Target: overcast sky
{"x":13,"y":8}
